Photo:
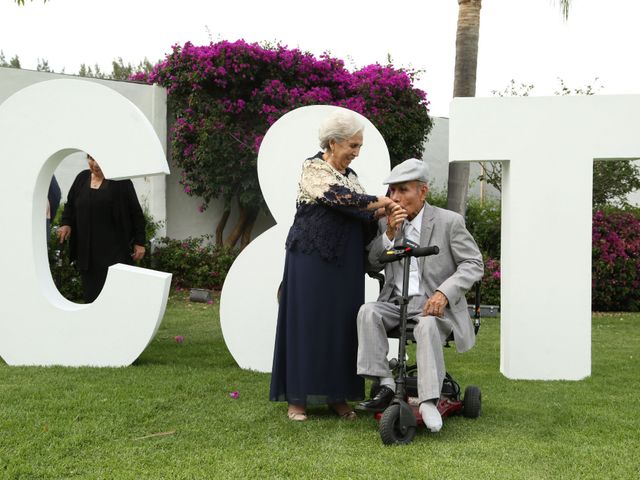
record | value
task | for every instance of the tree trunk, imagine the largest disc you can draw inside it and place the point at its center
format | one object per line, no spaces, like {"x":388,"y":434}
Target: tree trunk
{"x":242,"y":229}
{"x":221,"y":224}
{"x":236,"y":233}
{"x":248,"y":227}
{"x":464,"y":86}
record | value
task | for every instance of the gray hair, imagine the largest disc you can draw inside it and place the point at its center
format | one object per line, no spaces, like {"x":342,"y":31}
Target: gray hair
{"x":339,"y":126}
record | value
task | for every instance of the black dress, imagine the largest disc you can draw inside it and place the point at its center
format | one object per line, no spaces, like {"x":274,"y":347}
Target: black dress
{"x":105,"y":224}
{"x":323,"y":287}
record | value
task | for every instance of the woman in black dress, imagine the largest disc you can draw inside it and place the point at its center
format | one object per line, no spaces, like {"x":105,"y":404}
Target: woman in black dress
{"x":105,"y":224}
{"x":323,"y":285}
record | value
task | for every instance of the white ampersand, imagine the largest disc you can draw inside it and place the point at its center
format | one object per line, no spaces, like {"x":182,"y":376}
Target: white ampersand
{"x":249,"y":306}
{"x":39,"y":126}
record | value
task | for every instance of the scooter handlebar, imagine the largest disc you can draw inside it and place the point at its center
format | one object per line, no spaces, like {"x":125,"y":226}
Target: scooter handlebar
{"x":400,"y":252}
{"x":425,"y":251}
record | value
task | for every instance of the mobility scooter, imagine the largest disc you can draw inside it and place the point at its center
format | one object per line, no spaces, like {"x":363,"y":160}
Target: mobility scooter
{"x":398,"y":422}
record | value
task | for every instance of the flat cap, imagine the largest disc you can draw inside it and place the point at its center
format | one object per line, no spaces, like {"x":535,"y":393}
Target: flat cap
{"x":407,"y":171}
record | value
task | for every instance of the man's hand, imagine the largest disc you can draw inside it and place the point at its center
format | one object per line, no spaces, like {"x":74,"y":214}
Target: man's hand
{"x":435,"y":305}
{"x":395,"y":216}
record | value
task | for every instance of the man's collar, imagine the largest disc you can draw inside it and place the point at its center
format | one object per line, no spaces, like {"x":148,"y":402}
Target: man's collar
{"x":417,"y":220}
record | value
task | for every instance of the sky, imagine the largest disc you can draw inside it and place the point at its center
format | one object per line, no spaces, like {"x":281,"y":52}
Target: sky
{"x":524,"y":40}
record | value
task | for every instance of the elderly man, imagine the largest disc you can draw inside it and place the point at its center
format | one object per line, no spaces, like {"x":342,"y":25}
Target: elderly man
{"x":437,"y":288}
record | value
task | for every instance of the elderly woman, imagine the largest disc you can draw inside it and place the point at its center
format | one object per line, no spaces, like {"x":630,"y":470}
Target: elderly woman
{"x":105,"y":224}
{"x":323,"y":285}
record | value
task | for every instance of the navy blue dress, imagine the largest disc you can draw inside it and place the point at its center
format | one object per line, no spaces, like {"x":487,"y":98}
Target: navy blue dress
{"x":322,"y":289}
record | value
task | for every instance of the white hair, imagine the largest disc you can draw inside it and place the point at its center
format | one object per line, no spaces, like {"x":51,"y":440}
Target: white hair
{"x":339,"y":126}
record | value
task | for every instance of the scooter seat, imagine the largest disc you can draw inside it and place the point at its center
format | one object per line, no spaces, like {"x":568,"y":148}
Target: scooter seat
{"x":395,"y":332}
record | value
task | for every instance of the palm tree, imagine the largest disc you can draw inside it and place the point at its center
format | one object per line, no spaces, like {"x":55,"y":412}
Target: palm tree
{"x":464,"y":85}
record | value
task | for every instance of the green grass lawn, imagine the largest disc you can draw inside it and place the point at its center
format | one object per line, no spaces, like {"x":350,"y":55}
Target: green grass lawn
{"x":170,"y":416}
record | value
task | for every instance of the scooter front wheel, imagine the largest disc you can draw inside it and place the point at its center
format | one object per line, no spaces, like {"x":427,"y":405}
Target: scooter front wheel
{"x":391,"y":431}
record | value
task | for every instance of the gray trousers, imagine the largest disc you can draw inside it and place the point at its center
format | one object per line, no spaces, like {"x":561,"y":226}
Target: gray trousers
{"x":376,"y":318}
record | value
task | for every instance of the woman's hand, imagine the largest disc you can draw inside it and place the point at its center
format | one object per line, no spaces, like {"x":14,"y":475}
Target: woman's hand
{"x":379,"y":213}
{"x":138,"y":252}
{"x":64,"y":232}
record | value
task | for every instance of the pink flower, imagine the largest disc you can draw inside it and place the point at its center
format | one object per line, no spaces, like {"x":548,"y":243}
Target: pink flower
{"x":179,"y":338}
{"x":235,"y":394}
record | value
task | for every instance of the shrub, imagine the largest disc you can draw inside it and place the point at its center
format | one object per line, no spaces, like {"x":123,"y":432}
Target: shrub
{"x":64,"y":273}
{"x":437,"y":198}
{"x":615,"y":277}
{"x":483,"y":222}
{"x":194,"y":262}
{"x":615,"y":280}
{"x":490,"y":289}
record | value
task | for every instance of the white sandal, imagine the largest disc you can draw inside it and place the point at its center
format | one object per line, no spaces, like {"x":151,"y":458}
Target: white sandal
{"x":297,"y":416}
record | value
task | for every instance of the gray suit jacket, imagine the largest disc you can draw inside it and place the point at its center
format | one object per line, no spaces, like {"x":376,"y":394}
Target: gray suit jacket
{"x":453,"y":271}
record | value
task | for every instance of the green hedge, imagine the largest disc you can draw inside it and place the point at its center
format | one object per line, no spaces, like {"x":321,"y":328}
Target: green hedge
{"x":194,"y":262}
{"x":483,"y":222}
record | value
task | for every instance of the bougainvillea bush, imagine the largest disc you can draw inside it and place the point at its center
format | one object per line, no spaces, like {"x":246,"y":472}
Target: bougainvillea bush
{"x":224,"y":96}
{"x":615,"y":277}
{"x":616,"y":261}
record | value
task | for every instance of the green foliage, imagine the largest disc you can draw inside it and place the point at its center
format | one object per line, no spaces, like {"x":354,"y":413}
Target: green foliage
{"x":64,"y":274}
{"x":483,"y":220}
{"x":43,"y":66}
{"x":151,"y":228}
{"x":106,"y":423}
{"x":13,"y":63}
{"x":613,"y":181}
{"x":119,"y":70}
{"x":437,"y":198}
{"x":21,"y":2}
{"x":194,"y":262}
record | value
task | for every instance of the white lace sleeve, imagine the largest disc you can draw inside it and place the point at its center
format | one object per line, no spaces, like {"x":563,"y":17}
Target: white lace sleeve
{"x":320,"y":183}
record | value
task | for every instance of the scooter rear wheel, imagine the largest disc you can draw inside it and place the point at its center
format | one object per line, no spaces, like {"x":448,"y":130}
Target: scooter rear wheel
{"x":391,"y":432}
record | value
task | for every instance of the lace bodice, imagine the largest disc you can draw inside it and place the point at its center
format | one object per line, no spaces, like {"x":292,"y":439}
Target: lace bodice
{"x":328,"y":201}
{"x":321,"y":183}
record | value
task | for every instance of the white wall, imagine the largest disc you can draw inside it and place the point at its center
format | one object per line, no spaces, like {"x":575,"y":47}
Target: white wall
{"x":185,"y":220}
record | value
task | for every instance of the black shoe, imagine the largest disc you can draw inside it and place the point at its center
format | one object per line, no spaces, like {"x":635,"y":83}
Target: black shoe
{"x":378,"y":403}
